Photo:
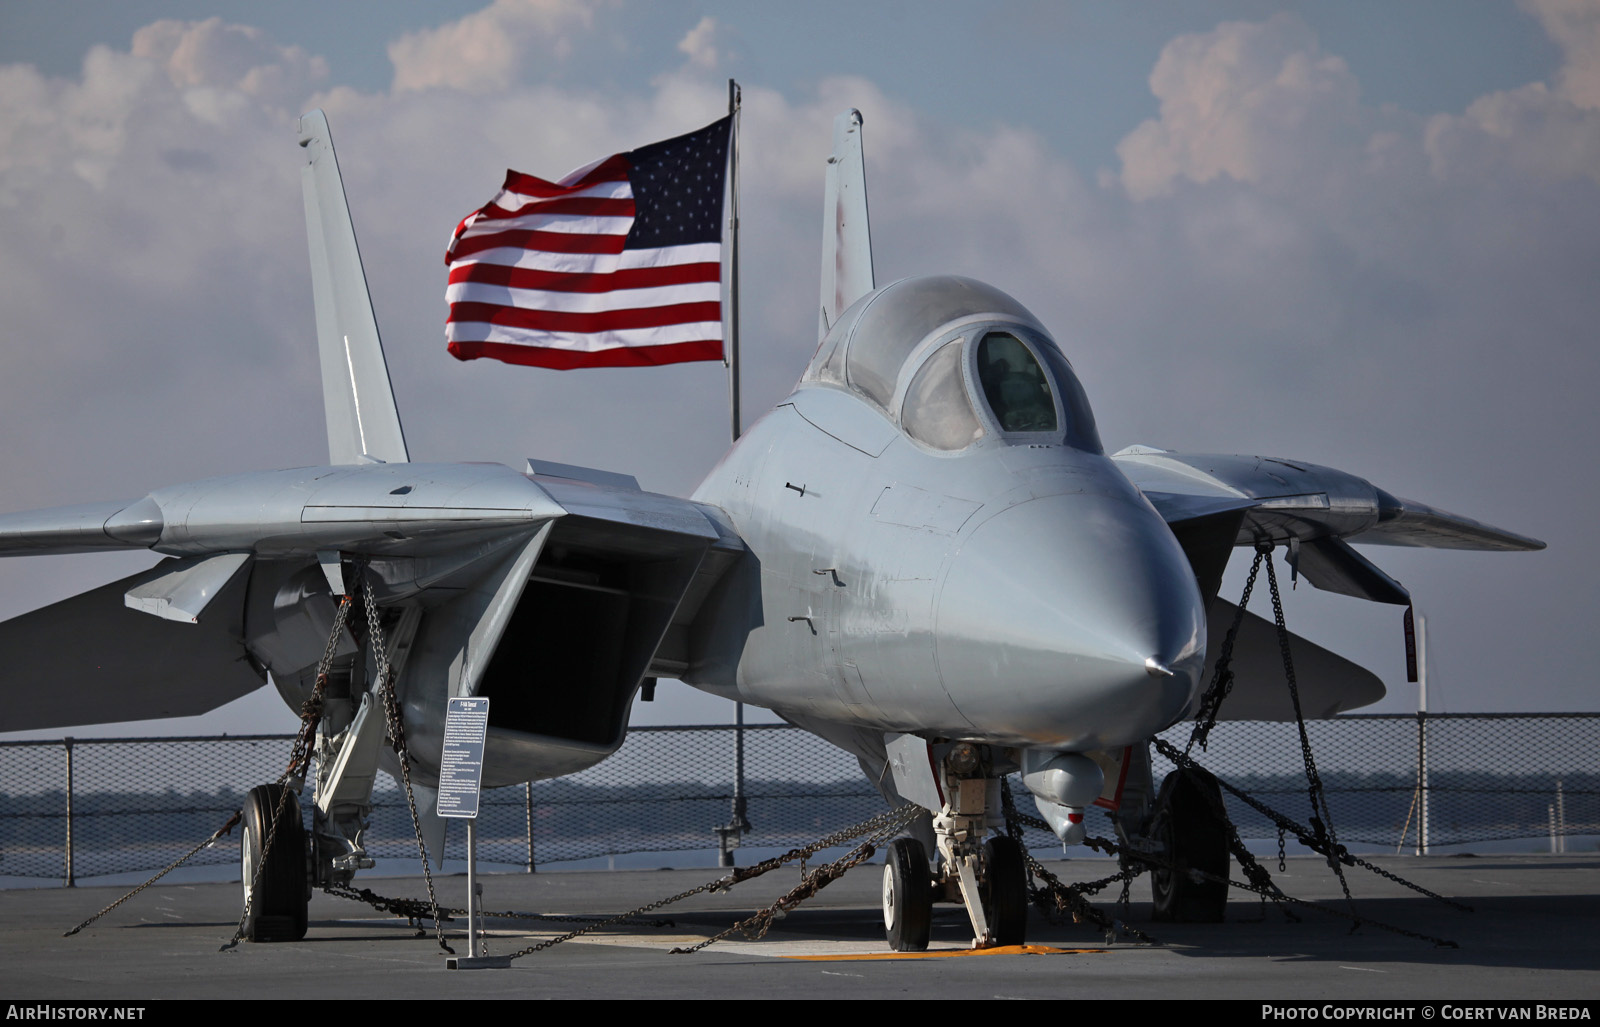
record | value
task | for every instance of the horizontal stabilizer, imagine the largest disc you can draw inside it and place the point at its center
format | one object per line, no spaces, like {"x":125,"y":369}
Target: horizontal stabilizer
{"x":92,"y":660}
{"x":1328,"y":683}
{"x":1333,"y":566}
{"x":1407,"y":522}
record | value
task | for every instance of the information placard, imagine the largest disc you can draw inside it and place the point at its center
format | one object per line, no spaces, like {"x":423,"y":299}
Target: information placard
{"x":466,"y":722}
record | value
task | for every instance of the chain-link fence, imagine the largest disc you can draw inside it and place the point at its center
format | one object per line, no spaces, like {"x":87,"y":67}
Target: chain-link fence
{"x":78,"y":809}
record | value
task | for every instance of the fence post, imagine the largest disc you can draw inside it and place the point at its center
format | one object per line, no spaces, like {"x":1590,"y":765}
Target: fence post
{"x":728,"y":836}
{"x":1561,"y":818}
{"x":527,"y":791}
{"x":68,"y":743}
{"x":1422,"y":783}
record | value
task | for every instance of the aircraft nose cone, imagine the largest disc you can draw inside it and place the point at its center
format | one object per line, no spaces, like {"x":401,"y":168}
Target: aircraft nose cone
{"x":1071,"y":621}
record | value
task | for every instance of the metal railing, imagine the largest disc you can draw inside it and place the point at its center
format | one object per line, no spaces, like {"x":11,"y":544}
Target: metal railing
{"x":82,"y":808}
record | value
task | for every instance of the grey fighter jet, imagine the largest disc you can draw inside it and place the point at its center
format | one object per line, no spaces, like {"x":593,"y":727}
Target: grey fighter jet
{"x":923,"y":554}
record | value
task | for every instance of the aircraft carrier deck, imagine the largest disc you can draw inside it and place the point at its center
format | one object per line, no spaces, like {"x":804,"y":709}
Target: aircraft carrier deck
{"x":1533,"y":935}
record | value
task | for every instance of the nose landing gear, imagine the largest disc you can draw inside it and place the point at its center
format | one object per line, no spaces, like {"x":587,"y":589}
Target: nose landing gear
{"x":988,"y":878}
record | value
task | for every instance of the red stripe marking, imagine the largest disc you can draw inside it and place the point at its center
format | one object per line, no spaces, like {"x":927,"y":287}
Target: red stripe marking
{"x":586,"y":322}
{"x":1115,"y":802}
{"x":597,"y":206}
{"x":566,"y":360}
{"x":561,"y":281}
{"x":533,"y":239}
{"x":612,"y":169}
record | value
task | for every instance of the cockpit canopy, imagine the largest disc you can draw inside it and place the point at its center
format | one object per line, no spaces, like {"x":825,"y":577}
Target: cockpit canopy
{"x":952,"y":360}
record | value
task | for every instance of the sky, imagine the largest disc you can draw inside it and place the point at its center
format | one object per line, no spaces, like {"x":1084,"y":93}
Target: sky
{"x":1360,"y":234}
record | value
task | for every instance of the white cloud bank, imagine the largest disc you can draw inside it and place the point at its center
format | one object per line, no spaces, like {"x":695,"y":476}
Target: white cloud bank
{"x":490,"y":49}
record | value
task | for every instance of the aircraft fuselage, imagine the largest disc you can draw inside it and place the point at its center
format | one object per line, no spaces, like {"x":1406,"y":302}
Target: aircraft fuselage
{"x":1019,"y":591}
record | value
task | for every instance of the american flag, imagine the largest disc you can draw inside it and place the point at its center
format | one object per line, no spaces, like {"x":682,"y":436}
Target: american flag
{"x":618,"y":264}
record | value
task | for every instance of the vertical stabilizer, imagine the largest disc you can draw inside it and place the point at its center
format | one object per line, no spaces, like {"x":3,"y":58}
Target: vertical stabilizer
{"x":846,"y":238}
{"x":363,"y":423}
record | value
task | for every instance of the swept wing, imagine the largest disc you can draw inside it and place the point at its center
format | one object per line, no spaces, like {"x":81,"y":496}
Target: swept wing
{"x":1215,"y":502}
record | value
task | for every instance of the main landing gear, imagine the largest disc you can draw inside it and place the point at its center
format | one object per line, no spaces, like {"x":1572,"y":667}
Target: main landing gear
{"x":277,"y":890}
{"x":988,"y":877}
{"x":1190,"y":830}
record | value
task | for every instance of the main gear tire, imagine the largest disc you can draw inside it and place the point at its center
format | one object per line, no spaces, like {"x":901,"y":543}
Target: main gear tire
{"x":907,"y":896}
{"x":1191,"y":829}
{"x":277,"y":892}
{"x":1005,"y":891}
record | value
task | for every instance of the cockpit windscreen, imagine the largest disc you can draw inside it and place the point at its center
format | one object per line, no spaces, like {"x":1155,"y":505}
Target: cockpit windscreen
{"x":1016,"y":387}
{"x":1025,"y":395}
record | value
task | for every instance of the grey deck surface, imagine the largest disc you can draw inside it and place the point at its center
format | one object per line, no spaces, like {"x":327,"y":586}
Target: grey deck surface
{"x":1535,"y":935}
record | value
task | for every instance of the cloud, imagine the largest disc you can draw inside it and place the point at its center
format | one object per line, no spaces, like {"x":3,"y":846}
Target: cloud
{"x":487,"y":50}
{"x":144,"y":227}
{"x":214,"y":55}
{"x":699,"y":43}
{"x":1531,"y":132}
{"x":1574,"y":25}
{"x":1255,"y":102}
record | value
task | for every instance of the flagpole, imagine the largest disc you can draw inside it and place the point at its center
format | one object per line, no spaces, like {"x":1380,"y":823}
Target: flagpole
{"x":738,"y":823}
{"x":733,"y":259}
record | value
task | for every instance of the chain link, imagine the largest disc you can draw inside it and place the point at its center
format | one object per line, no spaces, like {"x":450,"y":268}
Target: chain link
{"x":1260,"y":883}
{"x":756,"y":927}
{"x":299,"y":760}
{"x":1222,"y":675}
{"x":1319,"y":838}
{"x":1321,"y":816}
{"x":888,"y":821}
{"x":417,"y":909}
{"x":180,"y":861}
{"x":1071,"y":899}
{"x":1056,"y":900}
{"x":397,"y":739}
{"x":1260,"y":879}
{"x":1269,"y":890}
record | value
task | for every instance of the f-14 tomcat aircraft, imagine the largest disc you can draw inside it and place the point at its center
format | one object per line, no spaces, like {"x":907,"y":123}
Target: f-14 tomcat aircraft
{"x":923,"y":554}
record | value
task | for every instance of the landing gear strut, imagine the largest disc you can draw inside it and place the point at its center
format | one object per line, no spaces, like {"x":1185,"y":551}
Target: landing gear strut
{"x":988,"y":878}
{"x":277,"y":892}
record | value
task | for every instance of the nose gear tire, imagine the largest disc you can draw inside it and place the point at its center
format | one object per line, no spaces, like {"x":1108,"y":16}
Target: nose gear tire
{"x":1005,"y":891}
{"x":907,"y":896}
